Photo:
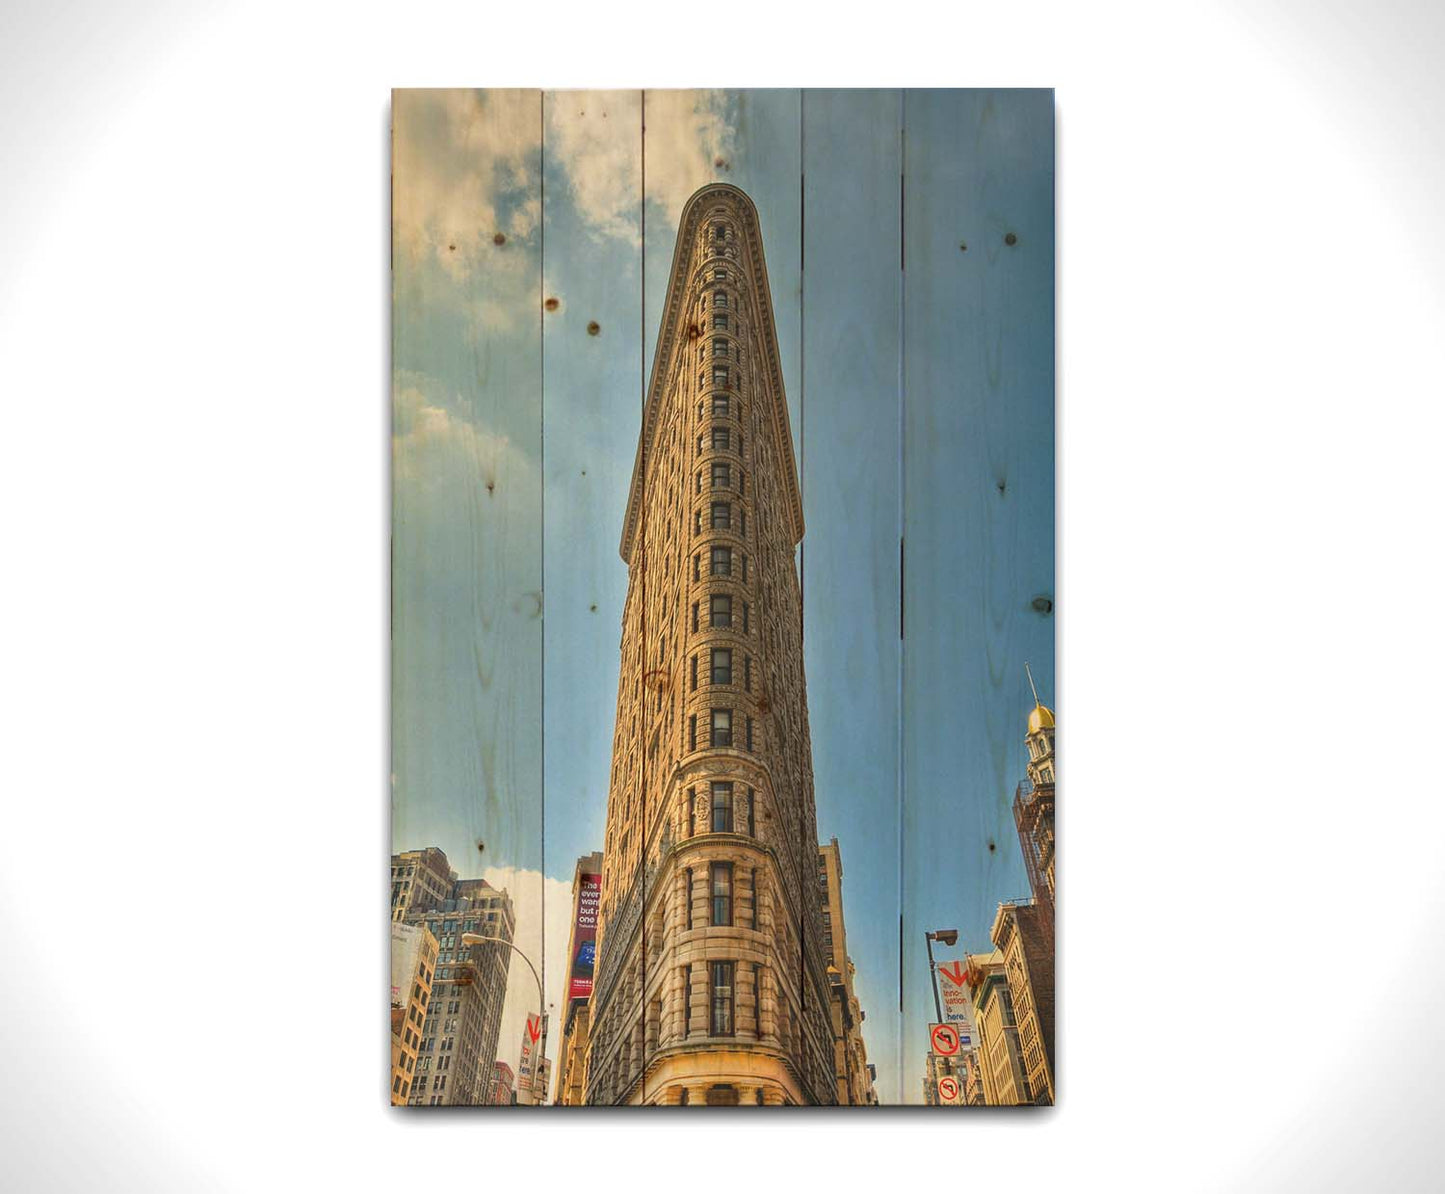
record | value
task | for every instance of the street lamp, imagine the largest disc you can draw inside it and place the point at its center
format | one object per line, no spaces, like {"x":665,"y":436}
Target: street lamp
{"x":480,"y":939}
{"x":943,"y":937}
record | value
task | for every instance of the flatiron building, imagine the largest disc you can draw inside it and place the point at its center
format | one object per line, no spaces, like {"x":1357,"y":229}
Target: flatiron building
{"x":711,"y":984}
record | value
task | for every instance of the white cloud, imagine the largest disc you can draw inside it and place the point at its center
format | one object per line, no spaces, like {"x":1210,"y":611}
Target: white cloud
{"x":431,"y":439}
{"x":687,"y":132}
{"x":529,"y":891}
{"x":464,"y":168}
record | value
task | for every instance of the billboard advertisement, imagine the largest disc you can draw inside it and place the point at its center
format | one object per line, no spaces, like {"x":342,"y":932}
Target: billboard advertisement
{"x":584,"y":936}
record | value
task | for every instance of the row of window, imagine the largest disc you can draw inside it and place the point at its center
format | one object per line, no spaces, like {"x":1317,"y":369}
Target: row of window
{"x":720,"y":887}
{"x":721,"y":376}
{"x":721,"y":409}
{"x":720,"y":563}
{"x":721,"y":670}
{"x":722,"y":478}
{"x":720,"y":613}
{"x":720,"y":730}
{"x":720,"y":518}
{"x":722,"y":809}
{"x":721,"y":436}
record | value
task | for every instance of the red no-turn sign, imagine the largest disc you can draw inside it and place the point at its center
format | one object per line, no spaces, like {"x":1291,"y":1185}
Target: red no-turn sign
{"x":948,"y":1089}
{"x":943,"y":1039}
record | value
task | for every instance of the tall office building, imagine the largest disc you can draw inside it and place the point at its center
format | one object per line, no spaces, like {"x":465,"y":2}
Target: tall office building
{"x":850,"y":1056}
{"x":456,"y":1057}
{"x":711,"y":982}
{"x":420,"y":879}
{"x":413,"y":965}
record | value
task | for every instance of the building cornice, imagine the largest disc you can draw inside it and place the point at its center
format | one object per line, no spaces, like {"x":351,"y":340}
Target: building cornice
{"x":670,"y":342}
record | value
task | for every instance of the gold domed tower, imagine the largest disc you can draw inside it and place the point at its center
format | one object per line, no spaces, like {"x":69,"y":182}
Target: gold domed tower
{"x":1034,"y":802}
{"x":711,"y":983}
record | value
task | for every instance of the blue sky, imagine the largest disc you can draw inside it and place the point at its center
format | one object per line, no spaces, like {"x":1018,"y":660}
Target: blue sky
{"x":921,"y":404}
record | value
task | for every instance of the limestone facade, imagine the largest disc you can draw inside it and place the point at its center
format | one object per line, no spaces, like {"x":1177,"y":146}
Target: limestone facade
{"x":711,"y":983}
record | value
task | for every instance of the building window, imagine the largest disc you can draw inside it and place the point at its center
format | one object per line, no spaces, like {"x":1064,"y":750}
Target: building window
{"x":750,"y":733}
{"x":722,"y":808}
{"x":720,"y":438}
{"x":696,"y":562}
{"x":722,"y":727}
{"x":722,"y":666}
{"x":720,"y":406}
{"x":694,"y":617}
{"x":753,"y":832}
{"x":743,"y":523}
{"x":719,"y":232}
{"x":691,"y":812}
{"x":745,"y":617}
{"x":697,"y":486}
{"x":722,"y":999}
{"x":720,"y":299}
{"x":720,"y":275}
{"x":721,"y":474}
{"x":720,"y":322}
{"x":742,"y":483}
{"x":719,"y":347}
{"x":719,"y":375}
{"x":747,"y":673}
{"x":722,"y":561}
{"x":745,"y":569}
{"x":722,"y":516}
{"x":720,"y":608}
{"x":692,"y":732}
{"x":693,"y":663}
{"x":722,"y":893}
{"x":697,"y":522}
{"x":687,"y":899}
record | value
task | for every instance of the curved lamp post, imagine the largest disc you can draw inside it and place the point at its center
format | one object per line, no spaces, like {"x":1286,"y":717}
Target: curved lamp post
{"x":480,"y":939}
{"x":943,"y":937}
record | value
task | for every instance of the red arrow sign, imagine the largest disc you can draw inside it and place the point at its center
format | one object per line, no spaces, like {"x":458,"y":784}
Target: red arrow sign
{"x":956,"y":975}
{"x":948,"y":1088}
{"x":534,"y":1027}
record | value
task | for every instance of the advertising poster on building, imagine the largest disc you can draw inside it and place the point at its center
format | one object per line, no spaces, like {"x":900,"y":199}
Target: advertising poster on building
{"x":584,"y":937}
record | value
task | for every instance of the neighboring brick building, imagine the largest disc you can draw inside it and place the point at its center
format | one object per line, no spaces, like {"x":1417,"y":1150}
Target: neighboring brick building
{"x":504,"y":1085}
{"x":711,"y":982}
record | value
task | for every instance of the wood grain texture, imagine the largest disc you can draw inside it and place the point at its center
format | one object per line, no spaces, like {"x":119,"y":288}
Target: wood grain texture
{"x":978,"y":468}
{"x":851,"y":450}
{"x":467,"y":518}
{"x":591,"y":352}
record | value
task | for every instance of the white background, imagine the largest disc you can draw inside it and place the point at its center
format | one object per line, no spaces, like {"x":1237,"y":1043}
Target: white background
{"x":193,"y":305}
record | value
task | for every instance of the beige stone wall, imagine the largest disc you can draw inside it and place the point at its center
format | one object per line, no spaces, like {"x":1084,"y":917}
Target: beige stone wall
{"x":712,"y":438}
